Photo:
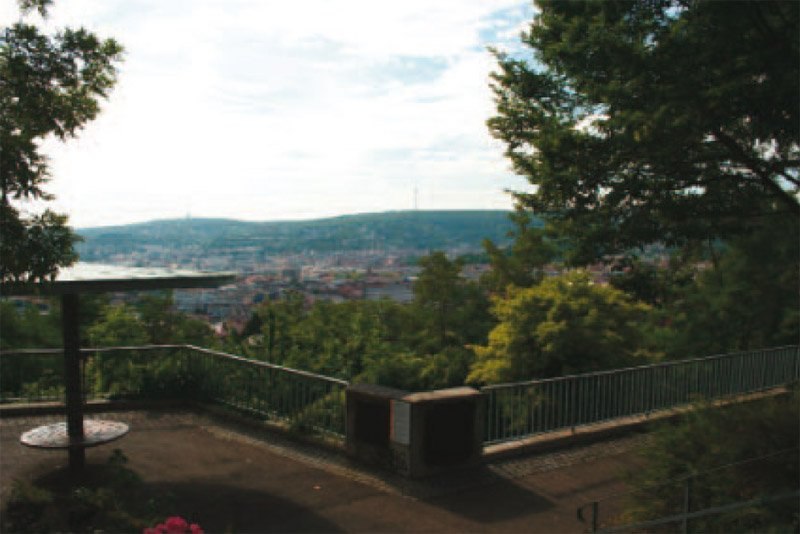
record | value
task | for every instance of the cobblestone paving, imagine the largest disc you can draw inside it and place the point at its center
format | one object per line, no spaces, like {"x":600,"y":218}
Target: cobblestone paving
{"x":540,"y":463}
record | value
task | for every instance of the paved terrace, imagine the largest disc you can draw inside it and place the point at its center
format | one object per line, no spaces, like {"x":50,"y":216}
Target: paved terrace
{"x":234,"y":478}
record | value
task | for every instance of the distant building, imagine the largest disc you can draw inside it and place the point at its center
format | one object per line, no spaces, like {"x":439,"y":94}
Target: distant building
{"x":398,"y":292}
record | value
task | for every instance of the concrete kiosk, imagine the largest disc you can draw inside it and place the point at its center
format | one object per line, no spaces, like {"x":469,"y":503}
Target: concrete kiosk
{"x":416,"y":434}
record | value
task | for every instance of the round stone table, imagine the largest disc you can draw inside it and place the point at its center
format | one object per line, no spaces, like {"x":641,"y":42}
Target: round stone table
{"x":55,"y":436}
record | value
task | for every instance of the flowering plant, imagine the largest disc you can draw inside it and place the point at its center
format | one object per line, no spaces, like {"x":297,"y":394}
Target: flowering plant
{"x":175,"y":525}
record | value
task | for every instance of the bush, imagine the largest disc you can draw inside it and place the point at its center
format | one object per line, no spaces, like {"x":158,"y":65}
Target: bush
{"x":736,"y":454}
{"x":105,"y":498}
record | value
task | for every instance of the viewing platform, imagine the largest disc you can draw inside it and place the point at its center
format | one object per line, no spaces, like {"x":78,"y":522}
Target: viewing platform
{"x":247,"y":445}
{"x":229,"y":477}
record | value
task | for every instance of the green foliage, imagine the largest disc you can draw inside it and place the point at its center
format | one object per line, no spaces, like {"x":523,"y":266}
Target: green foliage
{"x":452,"y":310}
{"x":119,"y":326}
{"x":341,"y":340}
{"x":165,"y":326}
{"x":651,"y":283}
{"x":702,"y":443}
{"x":33,"y":247}
{"x":27,"y":505}
{"x":662,"y":121}
{"x":325,"y":413}
{"x":51,"y":86}
{"x":399,"y":370}
{"x":335,"y":339}
{"x":654,"y":129}
{"x":746,"y":298}
{"x":414,"y":346}
{"x":38,"y":324}
{"x":39,"y":5}
{"x":149,"y":321}
{"x":35,"y":378}
{"x":415,"y":372}
{"x":565,"y":325}
{"x":522,"y":264}
{"x":447,"y":368}
{"x":29,"y":326}
{"x":108,"y":498}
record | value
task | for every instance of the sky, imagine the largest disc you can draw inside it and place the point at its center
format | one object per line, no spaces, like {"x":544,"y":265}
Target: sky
{"x":267,"y":110}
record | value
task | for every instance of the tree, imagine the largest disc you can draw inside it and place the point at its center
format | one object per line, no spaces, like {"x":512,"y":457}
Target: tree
{"x":651,"y":283}
{"x":119,"y":326}
{"x":436,"y":291}
{"x":164,"y":325}
{"x":48,"y":86}
{"x":453,"y":310}
{"x":521,"y":264}
{"x":564,"y":325}
{"x":665,"y":120}
{"x":741,"y":301}
{"x":733,"y":454}
{"x":29,"y":326}
{"x":280,"y":320}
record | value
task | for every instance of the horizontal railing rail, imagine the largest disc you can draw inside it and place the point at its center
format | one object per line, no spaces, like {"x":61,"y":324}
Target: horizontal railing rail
{"x":693,"y":495}
{"x":307,"y":401}
{"x":260,"y":363}
{"x":519,"y":410}
{"x":302,"y":399}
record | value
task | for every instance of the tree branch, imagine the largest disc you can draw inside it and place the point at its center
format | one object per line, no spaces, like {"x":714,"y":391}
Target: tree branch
{"x":788,"y":177}
{"x":754,"y":165}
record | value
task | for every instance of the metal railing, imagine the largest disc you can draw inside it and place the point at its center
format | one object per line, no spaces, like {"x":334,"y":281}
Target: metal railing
{"x":307,"y":401}
{"x":703,"y":500}
{"x":32,"y":375}
{"x":304,"y":400}
{"x":315,"y":402}
{"x":519,"y":410}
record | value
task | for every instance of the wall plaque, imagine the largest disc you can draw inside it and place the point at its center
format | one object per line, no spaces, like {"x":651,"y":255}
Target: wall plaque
{"x":401,"y":422}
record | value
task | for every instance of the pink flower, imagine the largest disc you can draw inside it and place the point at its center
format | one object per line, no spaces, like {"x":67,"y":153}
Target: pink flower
{"x":176,"y":525}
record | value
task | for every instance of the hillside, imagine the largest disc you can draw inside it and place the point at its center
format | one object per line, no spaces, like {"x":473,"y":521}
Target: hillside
{"x":387,"y":232}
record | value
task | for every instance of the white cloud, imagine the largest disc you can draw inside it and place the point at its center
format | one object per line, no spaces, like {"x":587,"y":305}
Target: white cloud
{"x":262,"y":109}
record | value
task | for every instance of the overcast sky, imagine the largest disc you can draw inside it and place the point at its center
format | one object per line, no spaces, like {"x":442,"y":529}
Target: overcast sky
{"x":297,"y":109}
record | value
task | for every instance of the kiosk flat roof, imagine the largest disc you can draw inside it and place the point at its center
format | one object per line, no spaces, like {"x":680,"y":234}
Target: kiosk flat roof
{"x":101,"y":278}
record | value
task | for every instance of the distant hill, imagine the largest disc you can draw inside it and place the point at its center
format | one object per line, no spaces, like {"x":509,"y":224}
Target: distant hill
{"x":391,"y":231}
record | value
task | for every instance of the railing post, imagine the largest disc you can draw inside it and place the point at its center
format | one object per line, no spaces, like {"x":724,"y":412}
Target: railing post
{"x":595,"y":521}
{"x":687,"y":502}
{"x":796,"y":351}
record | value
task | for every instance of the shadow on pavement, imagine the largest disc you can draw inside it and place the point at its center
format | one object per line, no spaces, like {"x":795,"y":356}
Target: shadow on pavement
{"x":227,"y":508}
{"x":216,"y":507}
{"x":480,"y":495}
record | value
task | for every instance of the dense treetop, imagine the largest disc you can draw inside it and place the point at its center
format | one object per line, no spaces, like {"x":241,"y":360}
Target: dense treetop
{"x":663,"y":120}
{"x":563,"y":325}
